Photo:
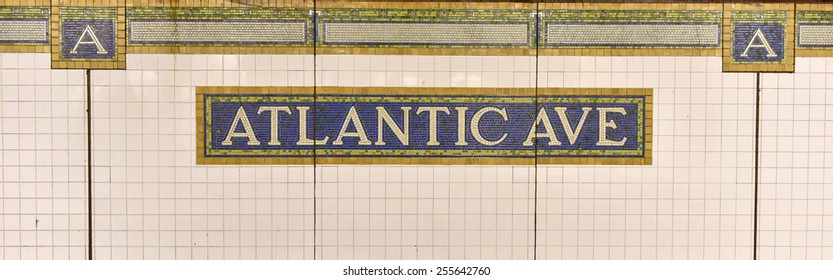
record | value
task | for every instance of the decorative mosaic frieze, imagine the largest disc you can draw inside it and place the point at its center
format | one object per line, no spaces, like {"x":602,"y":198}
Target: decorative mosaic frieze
{"x":24,"y":28}
{"x":90,"y":37}
{"x":425,"y":34}
{"x":413,"y":125}
{"x":814,"y":31}
{"x":760,"y":38}
{"x":346,"y":29}
{"x":227,"y":27}
{"x":630,"y":29}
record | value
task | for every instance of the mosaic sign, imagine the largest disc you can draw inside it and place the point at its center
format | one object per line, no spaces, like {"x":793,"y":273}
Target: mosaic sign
{"x":431,"y":126}
{"x":88,"y":37}
{"x":761,"y":38}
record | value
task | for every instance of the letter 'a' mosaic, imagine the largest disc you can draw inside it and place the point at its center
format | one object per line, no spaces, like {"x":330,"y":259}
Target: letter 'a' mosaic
{"x":759,"y":38}
{"x":88,"y":36}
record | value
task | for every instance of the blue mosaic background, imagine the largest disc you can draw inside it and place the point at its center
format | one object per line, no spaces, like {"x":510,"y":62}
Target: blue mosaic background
{"x":743,"y":33}
{"x":105,"y":31}
{"x":329,"y":117}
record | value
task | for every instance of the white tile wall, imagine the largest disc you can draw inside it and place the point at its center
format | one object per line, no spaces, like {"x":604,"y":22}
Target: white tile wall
{"x":693,"y":202}
{"x":43,"y":160}
{"x":796,"y":191}
{"x":425,"y":212}
{"x":152,"y":202}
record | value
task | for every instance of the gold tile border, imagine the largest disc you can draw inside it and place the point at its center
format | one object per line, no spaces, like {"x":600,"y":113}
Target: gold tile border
{"x":811,"y":52}
{"x":55,"y":28}
{"x":28,"y":48}
{"x":530,"y":92}
{"x":789,"y":38}
{"x":386,"y":50}
{"x":637,"y":51}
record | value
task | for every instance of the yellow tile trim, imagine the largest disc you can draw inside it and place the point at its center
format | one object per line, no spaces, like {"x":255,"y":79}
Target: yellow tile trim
{"x":491,"y":5}
{"x":632,"y":6}
{"x":644,"y":51}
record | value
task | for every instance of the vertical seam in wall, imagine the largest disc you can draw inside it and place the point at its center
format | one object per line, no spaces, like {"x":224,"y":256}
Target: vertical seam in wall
{"x":89,"y":170}
{"x":757,"y":166}
{"x":535,"y":111}
{"x":314,"y":38}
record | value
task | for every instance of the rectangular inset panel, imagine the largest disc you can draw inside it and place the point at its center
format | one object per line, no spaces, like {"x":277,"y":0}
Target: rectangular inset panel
{"x":815,"y":35}
{"x":633,"y":34}
{"x":219,"y":29}
{"x":422,"y":126}
{"x":216,"y":32}
{"x":381,"y":33}
{"x":634,"y":29}
{"x":24,"y":28}
{"x":814,"y":30}
{"x":426,"y":28}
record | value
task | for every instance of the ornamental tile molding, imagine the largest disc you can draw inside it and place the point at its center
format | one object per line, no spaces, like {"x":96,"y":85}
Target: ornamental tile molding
{"x":120,"y":27}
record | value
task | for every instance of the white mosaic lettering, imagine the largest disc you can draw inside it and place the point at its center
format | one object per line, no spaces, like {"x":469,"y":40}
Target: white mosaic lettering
{"x":475,"y":125}
{"x":241,"y":117}
{"x":604,"y":124}
{"x":88,"y":31}
{"x":764,"y":44}
{"x":352,"y":117}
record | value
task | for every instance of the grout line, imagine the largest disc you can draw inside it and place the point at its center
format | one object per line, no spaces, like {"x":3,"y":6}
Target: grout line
{"x":534,"y":113}
{"x":314,"y":132}
{"x":757,"y":167}
{"x":89,"y":171}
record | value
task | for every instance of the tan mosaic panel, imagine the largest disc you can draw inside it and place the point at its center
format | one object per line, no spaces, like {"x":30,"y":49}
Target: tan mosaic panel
{"x":322,"y":5}
{"x":812,"y":52}
{"x":221,"y":48}
{"x":118,"y":62}
{"x":788,"y":63}
{"x":631,"y":51}
{"x":25,"y":48}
